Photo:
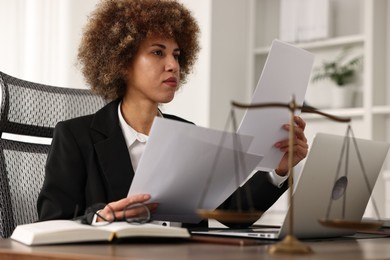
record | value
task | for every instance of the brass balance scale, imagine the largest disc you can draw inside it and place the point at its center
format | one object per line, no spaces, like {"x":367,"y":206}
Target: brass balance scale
{"x":290,"y":244}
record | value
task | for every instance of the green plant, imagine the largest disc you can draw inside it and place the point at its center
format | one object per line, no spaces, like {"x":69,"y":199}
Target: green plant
{"x":341,"y":70}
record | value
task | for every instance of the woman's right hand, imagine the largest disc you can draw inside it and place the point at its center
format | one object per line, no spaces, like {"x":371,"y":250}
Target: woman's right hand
{"x":120,"y":205}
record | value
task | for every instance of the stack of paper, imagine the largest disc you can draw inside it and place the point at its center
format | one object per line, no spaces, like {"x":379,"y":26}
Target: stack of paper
{"x":181,"y":159}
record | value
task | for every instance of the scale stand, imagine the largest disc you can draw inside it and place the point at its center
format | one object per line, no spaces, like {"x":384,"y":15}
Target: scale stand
{"x":290,"y":244}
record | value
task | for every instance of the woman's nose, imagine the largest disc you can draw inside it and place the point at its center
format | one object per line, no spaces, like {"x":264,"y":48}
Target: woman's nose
{"x":172,"y":64}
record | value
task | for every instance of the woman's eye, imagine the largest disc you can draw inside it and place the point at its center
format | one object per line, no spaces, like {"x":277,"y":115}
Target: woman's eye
{"x":158,"y":53}
{"x":177,"y":56}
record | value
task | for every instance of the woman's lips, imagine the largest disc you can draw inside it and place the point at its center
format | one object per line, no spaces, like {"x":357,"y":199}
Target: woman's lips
{"x":171,"y":82}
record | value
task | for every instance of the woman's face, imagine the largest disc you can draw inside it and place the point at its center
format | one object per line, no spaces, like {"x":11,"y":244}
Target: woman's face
{"x":154,"y":72}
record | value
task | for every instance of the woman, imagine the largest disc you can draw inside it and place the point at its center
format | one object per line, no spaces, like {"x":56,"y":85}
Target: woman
{"x":136,"y":53}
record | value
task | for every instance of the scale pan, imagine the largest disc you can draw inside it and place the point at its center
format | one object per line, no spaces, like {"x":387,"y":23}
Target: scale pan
{"x":230,"y":216}
{"x":347,"y":224}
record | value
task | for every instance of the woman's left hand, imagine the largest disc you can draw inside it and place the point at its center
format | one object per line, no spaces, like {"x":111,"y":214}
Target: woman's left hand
{"x":300,"y":146}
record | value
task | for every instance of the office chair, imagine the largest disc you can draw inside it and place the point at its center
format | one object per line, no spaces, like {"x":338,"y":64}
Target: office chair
{"x":31,"y":110}
{"x":34,"y":109}
{"x":22,"y":170}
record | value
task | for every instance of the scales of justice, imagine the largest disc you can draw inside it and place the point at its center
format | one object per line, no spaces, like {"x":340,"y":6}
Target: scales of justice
{"x":290,"y":244}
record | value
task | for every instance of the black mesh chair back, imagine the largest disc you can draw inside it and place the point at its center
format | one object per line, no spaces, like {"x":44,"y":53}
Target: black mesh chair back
{"x":29,"y":108}
{"x":22,"y":170}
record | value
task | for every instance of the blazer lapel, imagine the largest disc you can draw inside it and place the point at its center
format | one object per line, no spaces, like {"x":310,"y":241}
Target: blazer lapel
{"x":112,"y":153}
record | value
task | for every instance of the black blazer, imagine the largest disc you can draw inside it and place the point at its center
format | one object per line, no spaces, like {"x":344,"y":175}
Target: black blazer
{"x":89,"y":162}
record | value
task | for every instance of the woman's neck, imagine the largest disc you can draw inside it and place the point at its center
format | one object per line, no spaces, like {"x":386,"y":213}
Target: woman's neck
{"x":139,"y":115}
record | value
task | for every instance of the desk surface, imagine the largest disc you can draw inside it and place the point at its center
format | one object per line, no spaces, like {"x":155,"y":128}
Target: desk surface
{"x":377,"y":248}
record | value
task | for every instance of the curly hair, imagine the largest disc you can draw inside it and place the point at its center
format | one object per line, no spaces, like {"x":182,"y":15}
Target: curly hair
{"x":115,"y":30}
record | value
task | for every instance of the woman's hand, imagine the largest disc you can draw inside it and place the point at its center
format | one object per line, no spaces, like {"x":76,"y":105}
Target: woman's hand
{"x":120,"y":205}
{"x":300,"y":146}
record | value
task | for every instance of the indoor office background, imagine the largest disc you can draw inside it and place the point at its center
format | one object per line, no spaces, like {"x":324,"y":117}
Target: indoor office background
{"x":39,"y":41}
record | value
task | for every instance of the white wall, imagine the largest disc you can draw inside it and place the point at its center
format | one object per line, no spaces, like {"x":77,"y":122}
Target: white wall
{"x":229,"y":59}
{"x":40,"y":39}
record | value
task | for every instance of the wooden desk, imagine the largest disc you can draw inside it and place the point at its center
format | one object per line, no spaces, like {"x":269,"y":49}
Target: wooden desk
{"x":378,"y":248}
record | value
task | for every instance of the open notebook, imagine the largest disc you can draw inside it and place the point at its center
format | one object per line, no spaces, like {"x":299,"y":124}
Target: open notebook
{"x":313,"y":191}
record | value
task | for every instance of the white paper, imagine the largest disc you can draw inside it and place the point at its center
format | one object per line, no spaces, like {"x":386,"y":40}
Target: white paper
{"x":177,"y":163}
{"x":286,"y":74}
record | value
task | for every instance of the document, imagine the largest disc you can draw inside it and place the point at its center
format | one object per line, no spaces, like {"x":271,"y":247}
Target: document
{"x":286,"y":74}
{"x":182,"y":162}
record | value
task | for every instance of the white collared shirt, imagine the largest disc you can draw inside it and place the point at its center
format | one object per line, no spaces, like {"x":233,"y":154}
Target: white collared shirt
{"x":135,"y":142}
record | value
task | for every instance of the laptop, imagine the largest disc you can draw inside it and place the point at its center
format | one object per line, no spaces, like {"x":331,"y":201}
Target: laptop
{"x":312,"y":196}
